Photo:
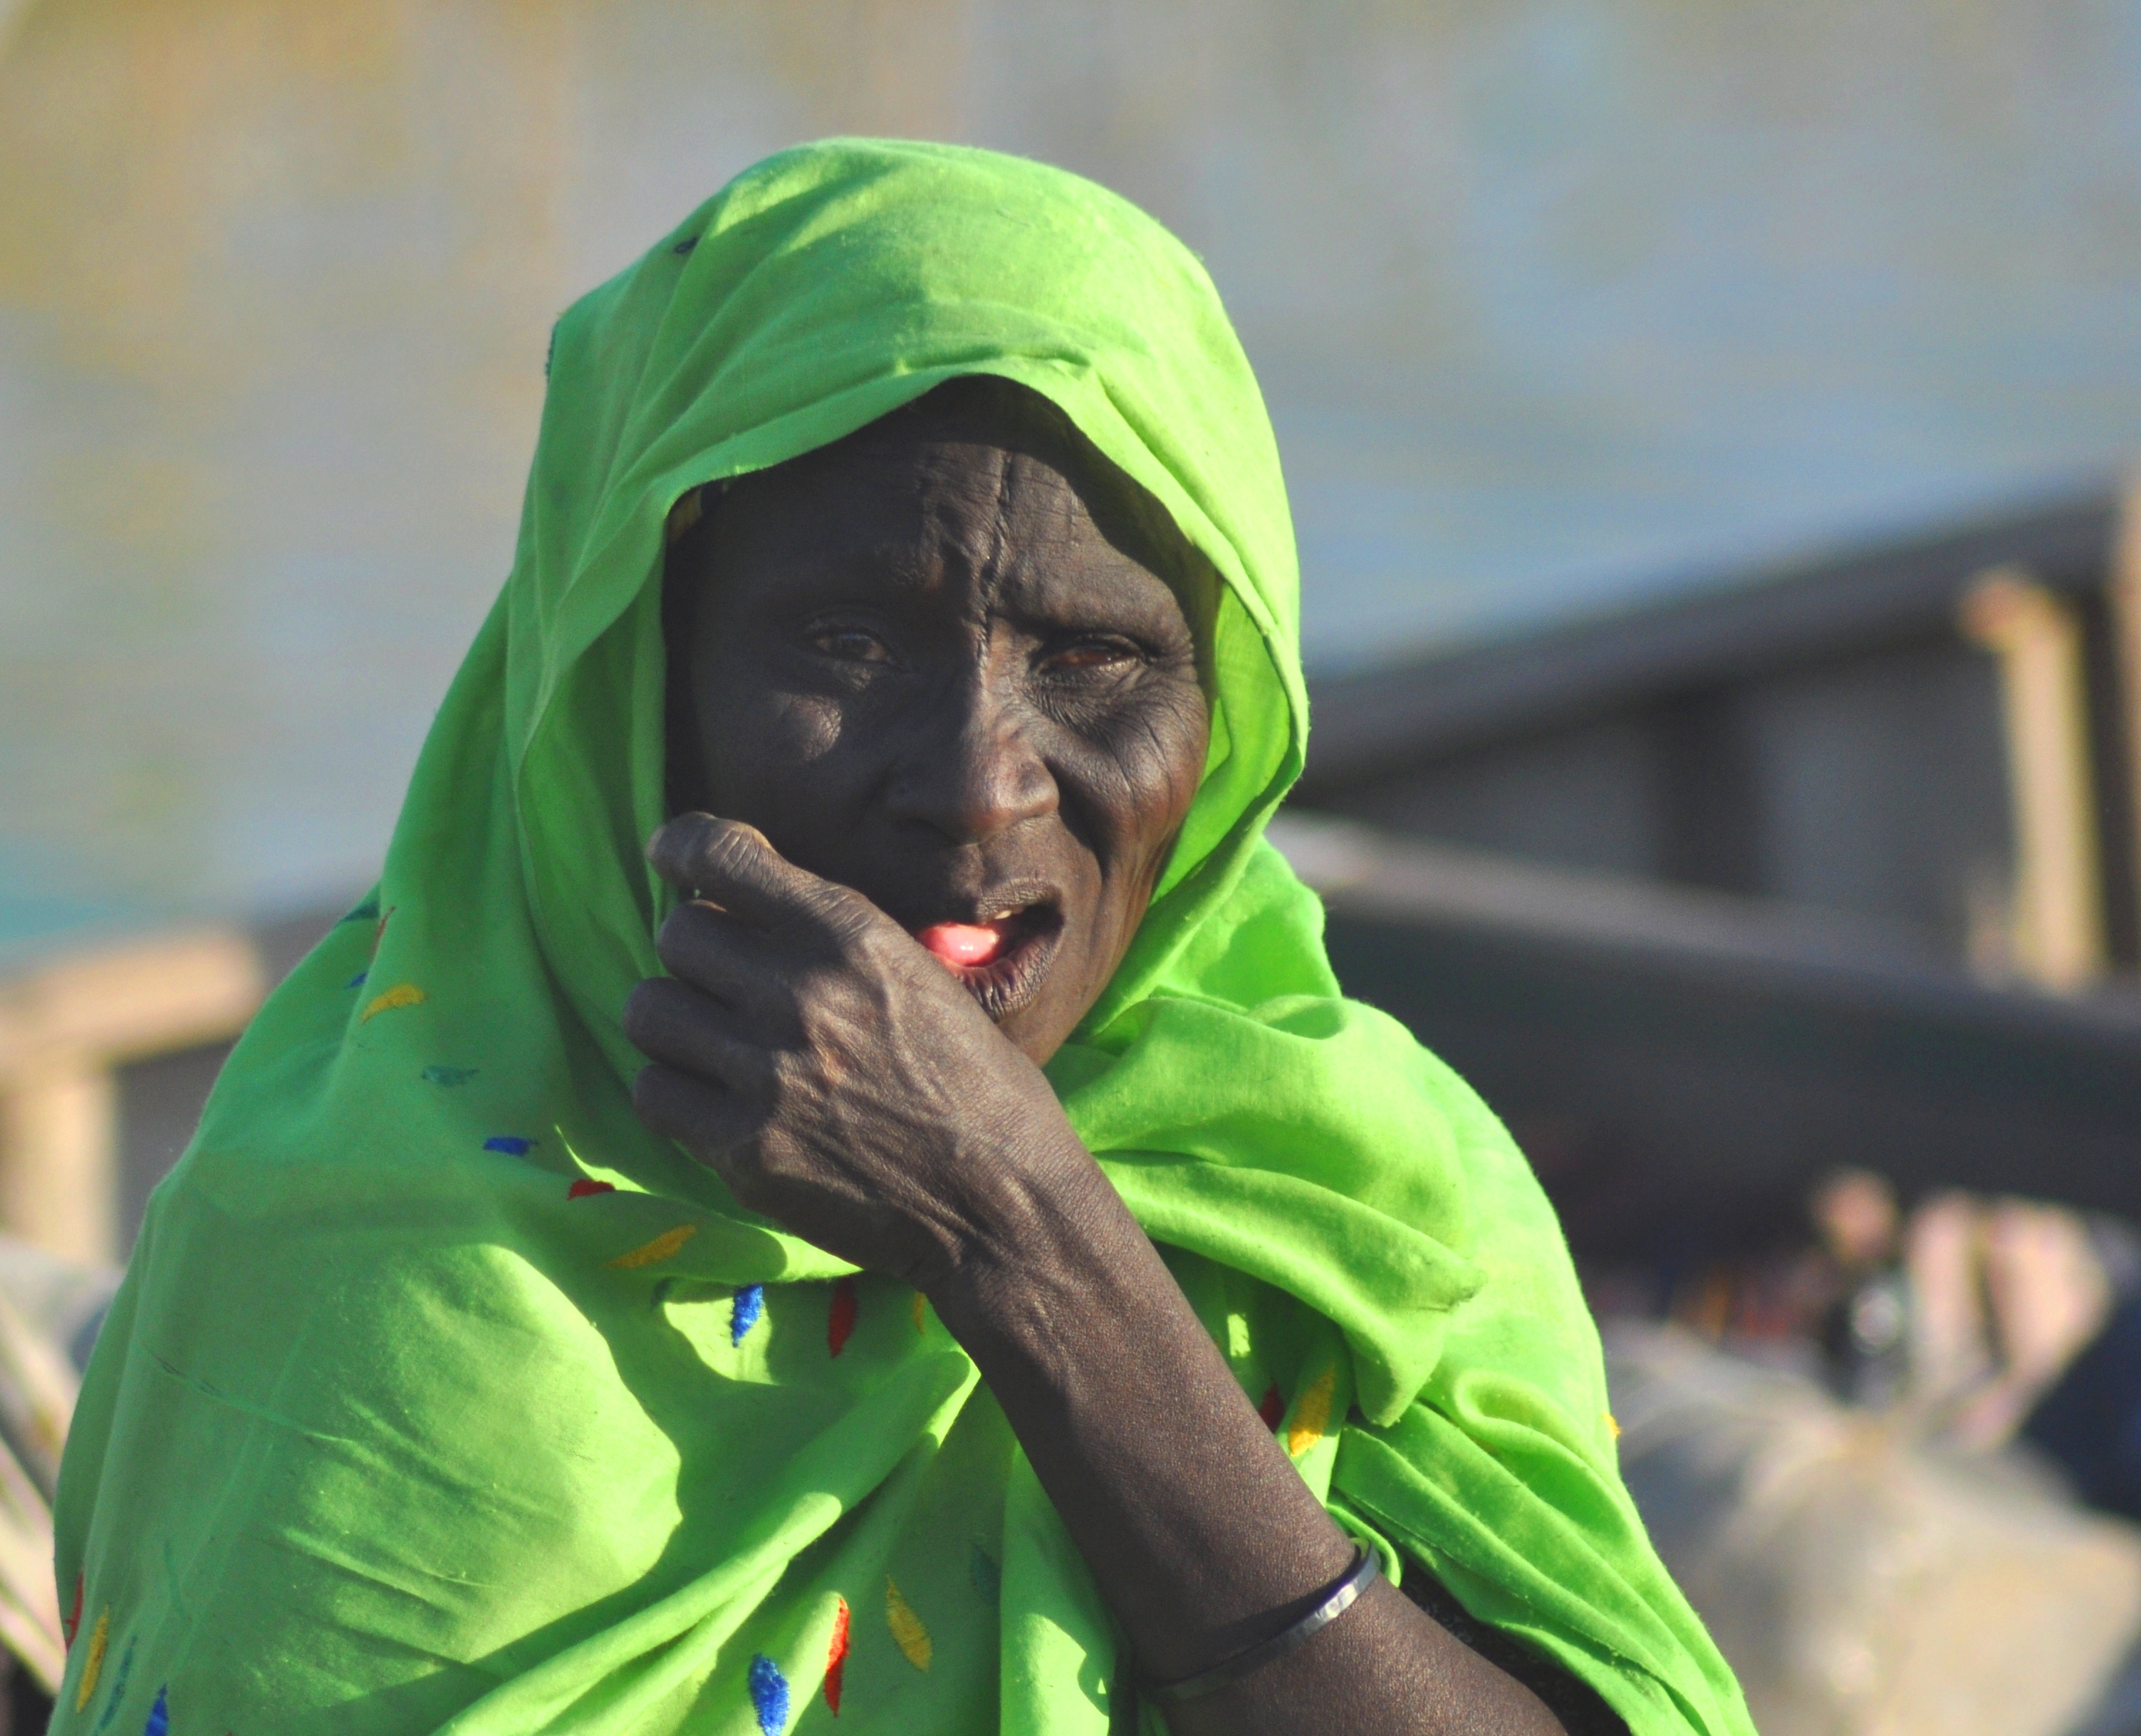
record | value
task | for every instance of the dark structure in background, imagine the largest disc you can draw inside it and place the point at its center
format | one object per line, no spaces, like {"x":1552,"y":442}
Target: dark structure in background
{"x":1681,"y":1066}
{"x":1827,"y":734}
{"x":1797,"y":864}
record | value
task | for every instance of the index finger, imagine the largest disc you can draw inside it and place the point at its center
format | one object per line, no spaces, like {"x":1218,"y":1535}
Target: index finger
{"x":732,"y":864}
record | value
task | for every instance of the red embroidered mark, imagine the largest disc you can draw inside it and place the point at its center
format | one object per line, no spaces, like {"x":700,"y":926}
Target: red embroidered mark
{"x":584,"y":1187}
{"x":840,"y":1318}
{"x":836,"y":1655}
{"x":74,"y":1616}
{"x":1272,"y":1410}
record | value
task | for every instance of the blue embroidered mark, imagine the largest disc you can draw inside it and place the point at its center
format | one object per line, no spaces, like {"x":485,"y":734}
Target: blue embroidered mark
{"x":357,"y":981}
{"x":750,"y":1304}
{"x":987,"y":1576}
{"x":512,"y":1144}
{"x":769,"y":1693}
{"x":118,"y":1691}
{"x":159,"y":1716}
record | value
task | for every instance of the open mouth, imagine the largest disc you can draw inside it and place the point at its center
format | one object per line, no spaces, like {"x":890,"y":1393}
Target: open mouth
{"x":1000,"y":957}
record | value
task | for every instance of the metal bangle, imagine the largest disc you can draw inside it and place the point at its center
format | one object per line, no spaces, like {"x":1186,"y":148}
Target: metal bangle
{"x":1342,"y":1596}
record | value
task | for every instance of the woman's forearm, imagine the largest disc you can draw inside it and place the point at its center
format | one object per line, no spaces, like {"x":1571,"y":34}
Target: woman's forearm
{"x":1200,"y":1534}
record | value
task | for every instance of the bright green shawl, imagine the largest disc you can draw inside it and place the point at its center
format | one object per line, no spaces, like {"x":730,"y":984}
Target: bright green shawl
{"x":441,"y":1397}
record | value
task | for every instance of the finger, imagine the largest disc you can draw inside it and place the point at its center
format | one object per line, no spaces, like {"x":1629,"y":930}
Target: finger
{"x":709,"y":949}
{"x":709,"y":1123}
{"x":733,"y":865}
{"x":672,"y":1022}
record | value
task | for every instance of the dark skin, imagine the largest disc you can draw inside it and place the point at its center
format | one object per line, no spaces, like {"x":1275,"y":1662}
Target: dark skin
{"x":934,"y":679}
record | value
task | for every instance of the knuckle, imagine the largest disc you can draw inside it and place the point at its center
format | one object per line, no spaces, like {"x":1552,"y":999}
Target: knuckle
{"x":698,"y":851}
{"x":846,"y":915}
{"x":682,"y":841}
{"x":731,"y":849}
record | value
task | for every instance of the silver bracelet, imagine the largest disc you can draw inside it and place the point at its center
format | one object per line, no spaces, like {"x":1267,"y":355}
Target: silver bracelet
{"x":1334,"y":1603}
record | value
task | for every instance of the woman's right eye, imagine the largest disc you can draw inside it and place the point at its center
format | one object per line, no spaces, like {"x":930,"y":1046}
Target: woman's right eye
{"x":850,"y":644}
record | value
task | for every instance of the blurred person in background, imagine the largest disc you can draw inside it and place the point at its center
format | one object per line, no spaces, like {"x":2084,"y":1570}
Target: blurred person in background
{"x":1021,"y":1295}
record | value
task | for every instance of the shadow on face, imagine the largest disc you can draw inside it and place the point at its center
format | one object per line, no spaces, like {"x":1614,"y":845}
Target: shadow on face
{"x":950,"y":661}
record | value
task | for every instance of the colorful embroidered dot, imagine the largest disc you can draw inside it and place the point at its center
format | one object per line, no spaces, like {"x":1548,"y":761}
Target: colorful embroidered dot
{"x":836,"y":1656}
{"x":744,"y":1312}
{"x":907,"y":1633}
{"x":769,"y":1694}
{"x":93,"y":1665}
{"x":840,"y":1317}
{"x":660,"y":1248}
{"x":401,"y":994}
{"x":117,"y":1696}
{"x":1311,"y":1415}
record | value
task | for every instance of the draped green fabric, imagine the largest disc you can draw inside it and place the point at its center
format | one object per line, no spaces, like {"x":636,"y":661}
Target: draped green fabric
{"x":441,"y":1397}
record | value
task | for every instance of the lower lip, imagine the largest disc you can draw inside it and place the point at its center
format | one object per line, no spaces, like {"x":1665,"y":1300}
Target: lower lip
{"x":1008,"y":978}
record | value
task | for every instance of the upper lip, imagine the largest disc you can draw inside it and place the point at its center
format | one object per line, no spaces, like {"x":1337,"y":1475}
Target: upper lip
{"x":1013,"y":898}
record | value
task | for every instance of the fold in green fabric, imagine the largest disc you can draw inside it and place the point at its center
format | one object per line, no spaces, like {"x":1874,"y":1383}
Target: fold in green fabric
{"x":441,"y":1397}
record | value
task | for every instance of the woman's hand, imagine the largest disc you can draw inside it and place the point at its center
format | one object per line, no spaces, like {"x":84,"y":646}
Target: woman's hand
{"x":846,"y":1085}
{"x":839,"y":1079}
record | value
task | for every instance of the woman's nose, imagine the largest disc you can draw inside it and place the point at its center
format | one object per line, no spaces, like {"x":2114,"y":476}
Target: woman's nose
{"x":975,"y":774}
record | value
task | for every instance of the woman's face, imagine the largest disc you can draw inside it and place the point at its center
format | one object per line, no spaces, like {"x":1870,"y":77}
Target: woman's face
{"x":921,"y":668}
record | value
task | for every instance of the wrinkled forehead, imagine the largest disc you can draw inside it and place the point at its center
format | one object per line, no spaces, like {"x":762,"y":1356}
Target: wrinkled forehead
{"x":933,"y":477}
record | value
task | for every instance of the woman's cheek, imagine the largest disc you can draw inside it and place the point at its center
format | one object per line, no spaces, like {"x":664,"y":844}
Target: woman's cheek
{"x":765,"y":761}
{"x":1167,"y":764}
{"x":806,"y":732}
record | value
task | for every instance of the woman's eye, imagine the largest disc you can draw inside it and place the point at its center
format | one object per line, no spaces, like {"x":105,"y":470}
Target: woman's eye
{"x":1088,"y":654}
{"x":850,"y":644}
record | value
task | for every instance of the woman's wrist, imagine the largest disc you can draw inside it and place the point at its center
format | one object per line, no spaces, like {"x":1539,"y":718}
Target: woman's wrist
{"x":1141,"y":1433}
{"x":1050,"y":1221}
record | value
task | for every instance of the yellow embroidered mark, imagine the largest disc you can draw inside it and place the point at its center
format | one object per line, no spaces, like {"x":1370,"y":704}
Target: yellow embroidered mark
{"x":908,"y":1632}
{"x":401,"y":994}
{"x":1311,"y":1416}
{"x":1612,"y":1427}
{"x":94,"y":1666}
{"x":660,"y":1248}
{"x":921,"y":1302}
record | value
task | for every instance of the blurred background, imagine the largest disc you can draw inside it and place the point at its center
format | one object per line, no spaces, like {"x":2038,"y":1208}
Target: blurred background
{"x":1706,"y":427}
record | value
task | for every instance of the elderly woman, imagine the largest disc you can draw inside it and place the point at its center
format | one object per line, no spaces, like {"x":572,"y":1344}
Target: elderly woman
{"x":923,"y":1247}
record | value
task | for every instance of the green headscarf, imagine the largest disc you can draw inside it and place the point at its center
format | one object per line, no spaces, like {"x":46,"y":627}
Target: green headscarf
{"x":441,"y":1397}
